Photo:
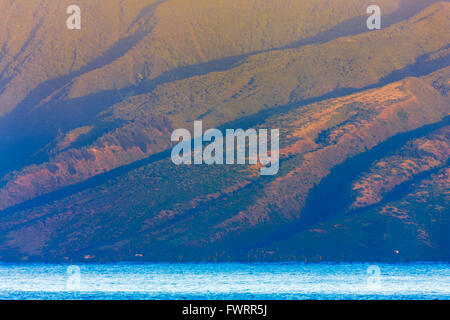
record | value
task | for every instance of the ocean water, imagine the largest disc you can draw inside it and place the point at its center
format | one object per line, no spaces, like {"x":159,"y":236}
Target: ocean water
{"x":225,"y":281}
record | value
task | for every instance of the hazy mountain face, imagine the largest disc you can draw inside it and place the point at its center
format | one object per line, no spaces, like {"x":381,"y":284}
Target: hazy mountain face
{"x":86,"y":118}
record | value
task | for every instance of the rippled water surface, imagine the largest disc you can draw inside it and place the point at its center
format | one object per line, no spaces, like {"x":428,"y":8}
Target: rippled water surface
{"x":225,"y":281}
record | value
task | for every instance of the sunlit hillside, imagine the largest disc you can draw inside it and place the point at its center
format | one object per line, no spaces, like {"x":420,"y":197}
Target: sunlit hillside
{"x":86,"y":118}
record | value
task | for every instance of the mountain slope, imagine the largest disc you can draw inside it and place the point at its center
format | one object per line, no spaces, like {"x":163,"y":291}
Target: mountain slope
{"x":200,"y":212}
{"x":220,"y":97}
{"x":86,"y":119}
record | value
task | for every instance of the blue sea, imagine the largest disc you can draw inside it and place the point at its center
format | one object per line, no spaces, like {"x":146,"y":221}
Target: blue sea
{"x":225,"y":281}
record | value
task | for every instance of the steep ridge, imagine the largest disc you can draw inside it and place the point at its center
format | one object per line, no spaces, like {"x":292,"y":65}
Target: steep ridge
{"x":341,"y":202}
{"x":411,"y":227}
{"x":168,"y":46}
{"x":36,"y":45}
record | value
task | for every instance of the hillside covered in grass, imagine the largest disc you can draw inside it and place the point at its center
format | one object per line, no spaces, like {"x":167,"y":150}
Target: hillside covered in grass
{"x":86,"y":118}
